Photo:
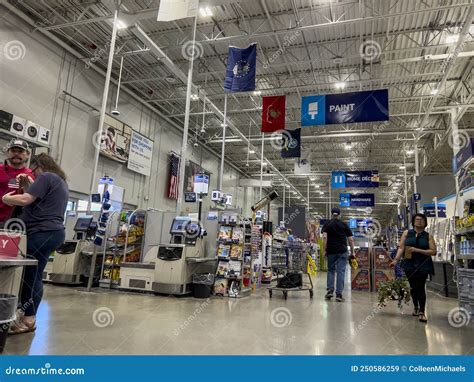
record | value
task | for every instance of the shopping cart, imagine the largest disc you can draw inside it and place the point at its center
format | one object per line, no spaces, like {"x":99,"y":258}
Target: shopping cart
{"x":290,"y":276}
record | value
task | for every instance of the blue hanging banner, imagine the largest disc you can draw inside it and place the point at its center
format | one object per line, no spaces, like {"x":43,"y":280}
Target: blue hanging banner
{"x":241,"y":69}
{"x":331,"y":109}
{"x":356,"y":200}
{"x":464,"y":154}
{"x":355,"y":179}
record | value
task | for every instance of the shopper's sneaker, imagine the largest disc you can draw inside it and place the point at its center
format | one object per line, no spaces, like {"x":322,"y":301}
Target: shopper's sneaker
{"x":416,"y":312}
{"x":423,"y":317}
{"x":339,"y":298}
{"x":328,"y":295}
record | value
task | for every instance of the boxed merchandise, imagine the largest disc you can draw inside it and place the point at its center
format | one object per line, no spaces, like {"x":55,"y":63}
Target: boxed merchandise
{"x":360,"y":279}
{"x":223,"y":250}
{"x":382,"y":258}
{"x":222,"y":268}
{"x":362,"y":256}
{"x":382,"y":276}
{"x":225,"y":234}
{"x":234,"y":288}
{"x":220,"y":287}
{"x":266,"y":275}
{"x":237,"y":235}
{"x":236,"y":252}
{"x":235,"y":268}
{"x":247,"y":276}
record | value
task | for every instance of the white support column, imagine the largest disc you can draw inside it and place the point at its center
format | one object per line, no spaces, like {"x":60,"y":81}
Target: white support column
{"x":103,"y":107}
{"x":261,"y":166}
{"x":184,"y":145}
{"x":224,"y":129}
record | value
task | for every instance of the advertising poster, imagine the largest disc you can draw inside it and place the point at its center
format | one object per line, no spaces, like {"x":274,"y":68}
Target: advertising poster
{"x":115,"y":140}
{"x":140,"y":154}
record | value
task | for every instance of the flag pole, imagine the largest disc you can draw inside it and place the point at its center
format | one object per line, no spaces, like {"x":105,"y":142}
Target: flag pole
{"x":221,"y":170}
{"x":184,"y":145}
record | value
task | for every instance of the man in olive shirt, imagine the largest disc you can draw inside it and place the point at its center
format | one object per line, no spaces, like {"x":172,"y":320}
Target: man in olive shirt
{"x":336,"y":236}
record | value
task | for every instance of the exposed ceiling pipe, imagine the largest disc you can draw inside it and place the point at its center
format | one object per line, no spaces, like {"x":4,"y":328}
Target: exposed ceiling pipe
{"x":73,"y":52}
{"x":165,"y":60}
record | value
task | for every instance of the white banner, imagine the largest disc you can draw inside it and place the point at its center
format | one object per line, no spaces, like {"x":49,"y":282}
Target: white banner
{"x":141,"y":154}
{"x":177,"y":9}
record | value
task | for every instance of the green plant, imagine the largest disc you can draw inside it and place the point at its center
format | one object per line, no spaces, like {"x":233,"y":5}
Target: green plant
{"x":395,"y":290}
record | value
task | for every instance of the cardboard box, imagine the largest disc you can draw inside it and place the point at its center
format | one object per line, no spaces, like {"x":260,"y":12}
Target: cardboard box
{"x":363,"y":258}
{"x":382,"y":258}
{"x":360,"y":279}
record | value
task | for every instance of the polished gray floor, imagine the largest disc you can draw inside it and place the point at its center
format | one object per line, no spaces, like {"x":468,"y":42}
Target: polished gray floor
{"x":72,"y":321}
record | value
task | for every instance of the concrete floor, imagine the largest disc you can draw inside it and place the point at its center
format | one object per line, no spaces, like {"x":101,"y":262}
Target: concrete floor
{"x":126,"y":323}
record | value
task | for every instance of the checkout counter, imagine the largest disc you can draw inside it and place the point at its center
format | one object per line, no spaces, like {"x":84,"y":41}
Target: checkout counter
{"x":168,"y":268}
{"x":70,"y":262}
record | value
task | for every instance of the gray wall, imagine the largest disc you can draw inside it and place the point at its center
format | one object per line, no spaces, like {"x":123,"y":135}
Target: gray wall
{"x":430,"y":186}
{"x":32,"y":87}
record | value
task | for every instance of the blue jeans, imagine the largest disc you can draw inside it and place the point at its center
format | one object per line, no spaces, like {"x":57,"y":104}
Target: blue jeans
{"x":337,"y":264}
{"x":39,"y":246}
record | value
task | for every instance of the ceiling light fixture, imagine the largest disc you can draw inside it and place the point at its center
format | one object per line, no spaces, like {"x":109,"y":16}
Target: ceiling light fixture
{"x":317,"y":186}
{"x":251,"y":151}
{"x":348,"y":146}
{"x":434,"y":91}
{"x":340,"y":85}
{"x":205,"y":12}
{"x":264,"y":163}
{"x":350,"y":163}
{"x":121,"y":24}
{"x":410,"y":152}
{"x":257,"y":92}
{"x":403,"y":167}
{"x":452,"y":39}
{"x":194,"y":97}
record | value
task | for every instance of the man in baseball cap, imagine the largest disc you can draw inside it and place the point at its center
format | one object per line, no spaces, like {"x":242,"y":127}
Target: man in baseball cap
{"x":13,"y":174}
{"x":336,"y":236}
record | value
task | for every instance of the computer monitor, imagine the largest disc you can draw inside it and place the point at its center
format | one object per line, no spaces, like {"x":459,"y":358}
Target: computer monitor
{"x":179,"y":225}
{"x":83,"y":223}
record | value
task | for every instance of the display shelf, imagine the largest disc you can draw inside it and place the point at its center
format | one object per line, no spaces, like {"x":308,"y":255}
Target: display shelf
{"x":8,"y":135}
{"x":469,"y":256}
{"x":464,"y":231}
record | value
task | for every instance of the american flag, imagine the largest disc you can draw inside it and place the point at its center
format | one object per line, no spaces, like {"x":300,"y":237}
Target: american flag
{"x":173,"y":177}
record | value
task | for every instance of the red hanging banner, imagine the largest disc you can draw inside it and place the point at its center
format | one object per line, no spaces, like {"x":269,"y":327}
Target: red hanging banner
{"x":273,"y":114}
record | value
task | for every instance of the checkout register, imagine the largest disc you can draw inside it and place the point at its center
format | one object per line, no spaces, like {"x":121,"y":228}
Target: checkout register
{"x":168,"y":268}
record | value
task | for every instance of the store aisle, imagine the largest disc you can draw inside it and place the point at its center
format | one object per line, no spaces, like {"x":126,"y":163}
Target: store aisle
{"x":143,"y":324}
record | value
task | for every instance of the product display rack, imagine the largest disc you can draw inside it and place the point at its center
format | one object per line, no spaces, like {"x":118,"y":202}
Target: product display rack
{"x":234,"y":260}
{"x":123,"y":247}
{"x":279,"y":256}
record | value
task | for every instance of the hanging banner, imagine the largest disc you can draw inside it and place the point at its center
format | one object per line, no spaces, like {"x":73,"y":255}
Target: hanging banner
{"x":141,"y":154}
{"x":463,"y":155}
{"x":356,"y":200}
{"x":303,"y":164}
{"x":291,"y":147}
{"x":177,"y":9}
{"x":241,"y":69}
{"x":355,"y":179}
{"x":273,"y":114}
{"x":330,"y":109}
{"x":430,"y":211}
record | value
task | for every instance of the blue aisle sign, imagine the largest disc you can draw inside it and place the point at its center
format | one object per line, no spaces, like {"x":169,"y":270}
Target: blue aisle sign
{"x":356,"y":200}
{"x":417,"y":197}
{"x":464,"y":154}
{"x":430,"y":212}
{"x":352,"y":223}
{"x":358,"y":223}
{"x":355,"y":179}
{"x":331,"y":109}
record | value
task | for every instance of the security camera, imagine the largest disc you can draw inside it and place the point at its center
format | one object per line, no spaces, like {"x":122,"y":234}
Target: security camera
{"x":115,"y":112}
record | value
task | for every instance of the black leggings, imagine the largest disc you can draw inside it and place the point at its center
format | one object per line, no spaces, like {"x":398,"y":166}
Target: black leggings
{"x":417,"y":280}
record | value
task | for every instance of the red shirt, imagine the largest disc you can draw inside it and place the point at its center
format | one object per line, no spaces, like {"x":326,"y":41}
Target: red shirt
{"x":8,"y":173}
